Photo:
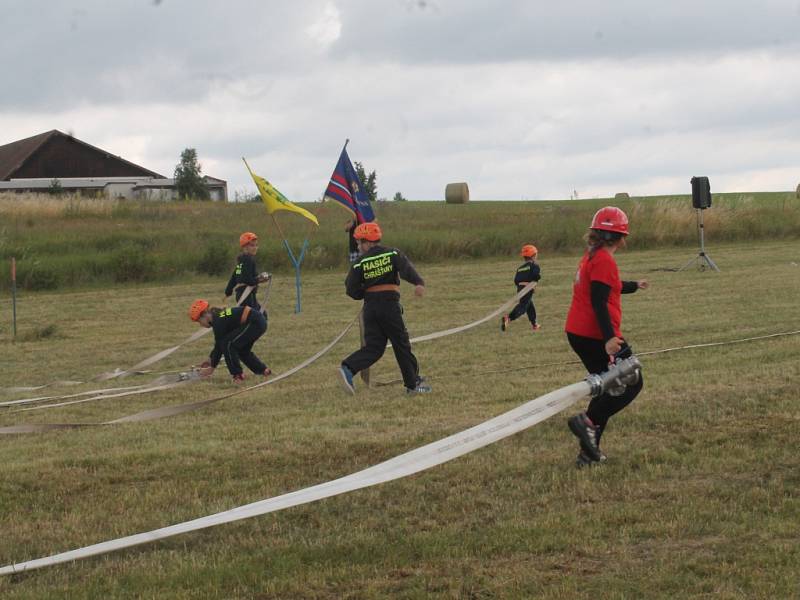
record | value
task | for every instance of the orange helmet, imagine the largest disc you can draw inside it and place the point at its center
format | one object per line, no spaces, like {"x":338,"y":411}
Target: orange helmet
{"x":611,"y":219}
{"x":368,"y":231}
{"x":528,"y":251}
{"x":246,"y":238}
{"x":197,"y":308}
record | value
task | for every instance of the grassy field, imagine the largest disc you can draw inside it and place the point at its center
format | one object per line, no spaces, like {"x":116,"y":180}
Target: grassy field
{"x":700,"y":497}
{"x":68,"y":243}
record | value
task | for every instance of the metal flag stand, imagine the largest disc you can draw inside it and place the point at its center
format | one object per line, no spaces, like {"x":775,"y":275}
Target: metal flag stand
{"x":702,"y":260}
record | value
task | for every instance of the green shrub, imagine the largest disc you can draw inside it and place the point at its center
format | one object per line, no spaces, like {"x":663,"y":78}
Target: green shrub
{"x":215,"y":261}
{"x":38,"y":277}
{"x":130,"y":263}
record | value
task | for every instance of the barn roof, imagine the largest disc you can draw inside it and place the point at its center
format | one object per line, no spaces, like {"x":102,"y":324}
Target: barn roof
{"x":13,"y":156}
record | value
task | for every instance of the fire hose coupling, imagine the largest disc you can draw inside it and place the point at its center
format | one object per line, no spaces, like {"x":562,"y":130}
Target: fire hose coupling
{"x":620,"y":375}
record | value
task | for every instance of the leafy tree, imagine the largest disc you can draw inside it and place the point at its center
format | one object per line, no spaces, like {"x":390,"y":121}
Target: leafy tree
{"x":398,"y":197}
{"x":188,"y":179}
{"x":55,"y":188}
{"x":368,"y":182}
{"x":244,"y":195}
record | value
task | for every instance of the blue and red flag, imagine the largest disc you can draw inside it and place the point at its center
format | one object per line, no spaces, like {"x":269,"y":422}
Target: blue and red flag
{"x":345,"y":188}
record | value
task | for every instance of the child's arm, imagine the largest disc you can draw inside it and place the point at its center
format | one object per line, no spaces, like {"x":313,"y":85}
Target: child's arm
{"x":231,"y":284}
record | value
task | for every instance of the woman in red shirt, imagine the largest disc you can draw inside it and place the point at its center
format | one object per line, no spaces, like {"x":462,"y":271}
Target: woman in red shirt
{"x":593,"y":325}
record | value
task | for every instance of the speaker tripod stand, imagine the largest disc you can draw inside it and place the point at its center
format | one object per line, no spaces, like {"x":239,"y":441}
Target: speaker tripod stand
{"x":702,"y":260}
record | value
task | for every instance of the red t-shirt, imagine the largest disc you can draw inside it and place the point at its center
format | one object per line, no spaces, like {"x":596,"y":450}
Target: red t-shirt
{"x":581,"y":319}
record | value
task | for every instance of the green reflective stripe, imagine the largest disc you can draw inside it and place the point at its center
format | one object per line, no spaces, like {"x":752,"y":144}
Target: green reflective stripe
{"x":370,"y":258}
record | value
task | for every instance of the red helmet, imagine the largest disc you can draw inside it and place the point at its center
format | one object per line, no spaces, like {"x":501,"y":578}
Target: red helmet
{"x":528,"y":251}
{"x":368,"y":231}
{"x":197,"y":308}
{"x":246,"y":238}
{"x":611,"y":219}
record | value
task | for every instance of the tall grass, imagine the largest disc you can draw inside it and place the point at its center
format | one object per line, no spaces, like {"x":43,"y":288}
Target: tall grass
{"x":75,"y":242}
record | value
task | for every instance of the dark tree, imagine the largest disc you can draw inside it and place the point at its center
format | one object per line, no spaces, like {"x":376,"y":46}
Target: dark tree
{"x":55,"y":188}
{"x":368,"y":182}
{"x":188,"y":179}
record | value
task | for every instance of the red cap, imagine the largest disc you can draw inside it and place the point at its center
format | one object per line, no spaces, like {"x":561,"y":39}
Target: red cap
{"x":610,"y":218}
{"x":197,"y":308}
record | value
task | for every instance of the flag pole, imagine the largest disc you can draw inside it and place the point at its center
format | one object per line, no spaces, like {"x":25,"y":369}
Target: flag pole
{"x":295,"y":262}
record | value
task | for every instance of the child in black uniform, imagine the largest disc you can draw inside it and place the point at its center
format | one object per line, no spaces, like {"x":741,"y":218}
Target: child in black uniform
{"x":245,"y":274}
{"x":529,"y":271}
{"x":235,"y":331}
{"x":375,"y":277}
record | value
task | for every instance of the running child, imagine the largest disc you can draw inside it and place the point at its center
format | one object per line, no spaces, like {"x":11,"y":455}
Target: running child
{"x":375,"y":278}
{"x":593,"y":326}
{"x":527,"y":272}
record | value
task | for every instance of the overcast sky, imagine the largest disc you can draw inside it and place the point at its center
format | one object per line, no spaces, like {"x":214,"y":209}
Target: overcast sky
{"x":521,"y":99}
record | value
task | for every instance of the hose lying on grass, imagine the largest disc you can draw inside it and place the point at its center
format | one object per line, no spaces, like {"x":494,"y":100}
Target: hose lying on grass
{"x":433,"y":454}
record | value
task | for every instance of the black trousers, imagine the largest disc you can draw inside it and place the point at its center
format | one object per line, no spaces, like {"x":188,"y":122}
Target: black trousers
{"x":238,"y":345}
{"x":593,"y":356}
{"x":525,"y":306}
{"x":383,"y":320}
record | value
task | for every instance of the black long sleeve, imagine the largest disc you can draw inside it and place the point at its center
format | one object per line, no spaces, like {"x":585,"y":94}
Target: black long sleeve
{"x":231,"y":284}
{"x":215,"y":356}
{"x":353,"y":286}
{"x":599,"y":296}
{"x":406,"y":270}
{"x":628,"y":287}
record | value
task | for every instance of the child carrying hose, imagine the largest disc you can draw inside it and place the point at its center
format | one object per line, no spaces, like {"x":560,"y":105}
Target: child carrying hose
{"x":526,"y":273}
{"x":235,"y":331}
{"x":246,"y":274}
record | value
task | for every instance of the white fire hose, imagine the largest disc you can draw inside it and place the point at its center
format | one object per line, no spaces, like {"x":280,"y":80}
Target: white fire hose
{"x":430,"y":455}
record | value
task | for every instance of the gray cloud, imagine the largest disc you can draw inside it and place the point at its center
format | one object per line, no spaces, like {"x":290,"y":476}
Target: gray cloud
{"x":131,"y":51}
{"x":521,"y":99}
{"x":453,"y":31}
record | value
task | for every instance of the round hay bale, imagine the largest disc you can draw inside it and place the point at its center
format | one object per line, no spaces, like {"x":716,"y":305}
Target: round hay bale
{"x":798,"y":190}
{"x":456,"y":193}
{"x":622,"y":196}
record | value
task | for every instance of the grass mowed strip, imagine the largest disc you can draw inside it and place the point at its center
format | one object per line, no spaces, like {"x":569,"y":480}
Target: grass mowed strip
{"x":699,"y":497}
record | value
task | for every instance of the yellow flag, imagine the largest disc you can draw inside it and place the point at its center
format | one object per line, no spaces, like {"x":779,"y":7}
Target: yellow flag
{"x":274,"y":200}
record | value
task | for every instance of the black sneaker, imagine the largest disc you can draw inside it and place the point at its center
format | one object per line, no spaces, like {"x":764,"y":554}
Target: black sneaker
{"x":583,"y":429}
{"x":584,"y":460}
